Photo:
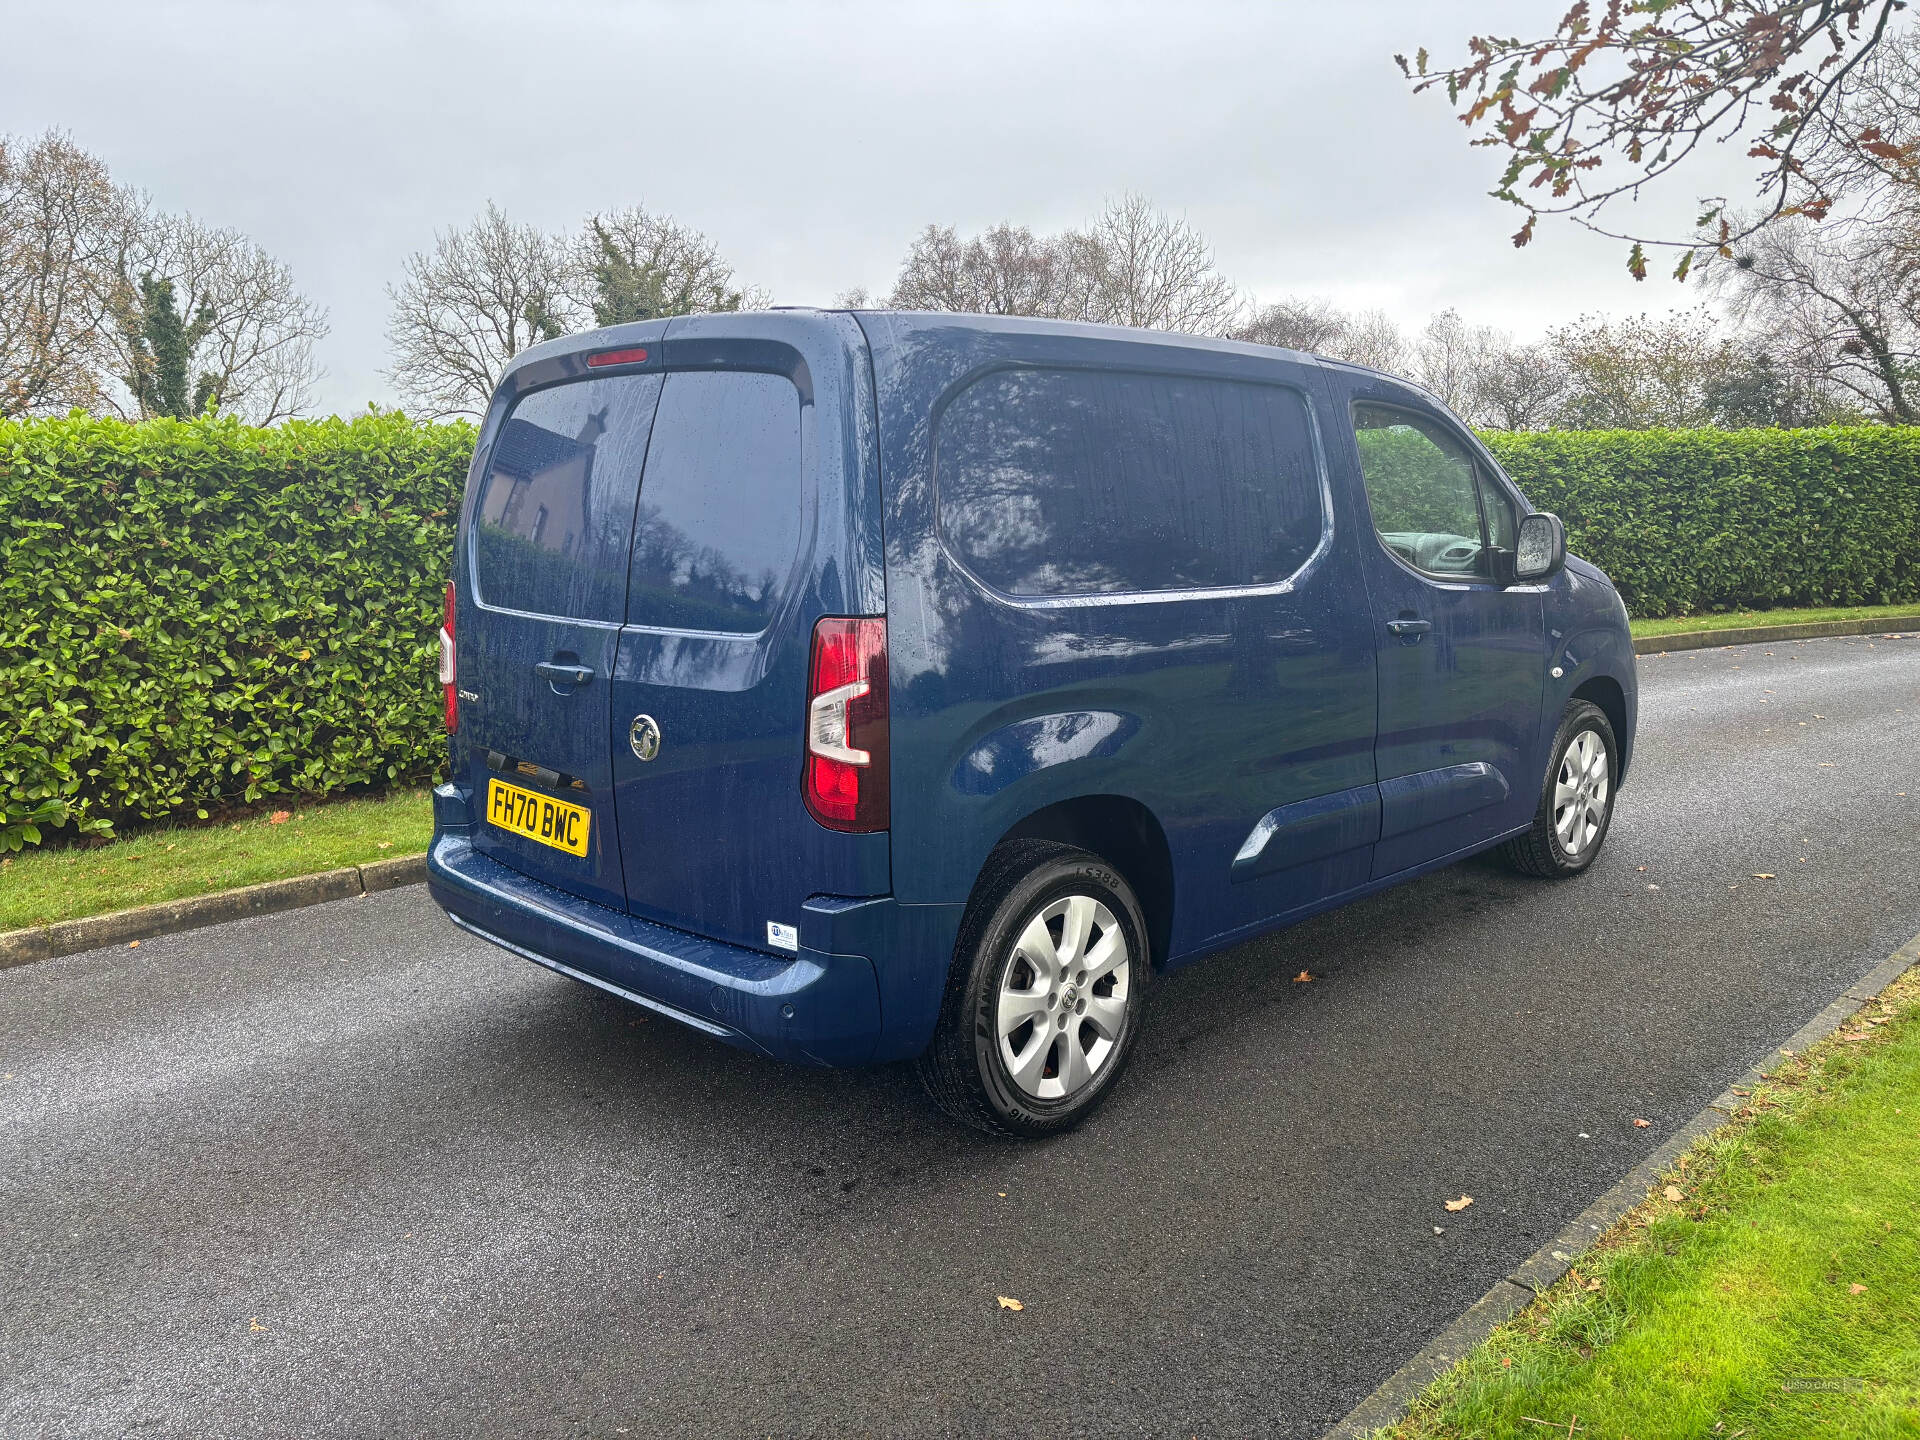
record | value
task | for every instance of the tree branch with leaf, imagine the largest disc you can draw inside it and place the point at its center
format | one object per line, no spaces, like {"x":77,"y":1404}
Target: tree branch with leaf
{"x":1619,"y":96}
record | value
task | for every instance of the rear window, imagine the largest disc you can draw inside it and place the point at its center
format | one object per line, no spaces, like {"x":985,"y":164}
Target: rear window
{"x":550,"y":532}
{"x":719,"y":519}
{"x":1069,"y":482}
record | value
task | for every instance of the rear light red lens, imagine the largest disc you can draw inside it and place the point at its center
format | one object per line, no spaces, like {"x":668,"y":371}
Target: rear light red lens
{"x":847,"y":759}
{"x":635,"y":355}
{"x":447,"y":667}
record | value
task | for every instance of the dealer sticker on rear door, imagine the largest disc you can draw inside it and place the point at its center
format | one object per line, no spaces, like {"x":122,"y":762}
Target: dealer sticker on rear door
{"x":538,"y":817}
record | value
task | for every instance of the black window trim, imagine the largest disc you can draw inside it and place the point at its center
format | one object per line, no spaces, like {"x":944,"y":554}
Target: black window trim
{"x":808,"y":530}
{"x":1484,"y":471}
{"x":1315,"y":438}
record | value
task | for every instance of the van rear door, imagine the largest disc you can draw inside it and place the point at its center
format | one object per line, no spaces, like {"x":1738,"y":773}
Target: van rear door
{"x":548,"y":537}
{"x":757,"y":516}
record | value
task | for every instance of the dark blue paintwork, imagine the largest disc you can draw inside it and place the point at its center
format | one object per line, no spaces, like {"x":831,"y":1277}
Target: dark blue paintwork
{"x":1250,"y":755}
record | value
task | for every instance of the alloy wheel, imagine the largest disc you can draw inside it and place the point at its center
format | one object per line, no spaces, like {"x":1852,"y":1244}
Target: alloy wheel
{"x":1062,"y":1006}
{"x":1580,"y":793}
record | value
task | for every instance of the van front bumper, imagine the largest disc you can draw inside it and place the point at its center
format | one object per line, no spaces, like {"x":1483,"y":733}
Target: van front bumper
{"x":817,"y":1007}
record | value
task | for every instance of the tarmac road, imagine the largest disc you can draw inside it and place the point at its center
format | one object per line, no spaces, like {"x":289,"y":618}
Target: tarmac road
{"x":345,"y":1171}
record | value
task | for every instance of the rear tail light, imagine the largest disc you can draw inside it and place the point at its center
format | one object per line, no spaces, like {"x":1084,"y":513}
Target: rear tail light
{"x":451,"y":695}
{"x":847,"y":761}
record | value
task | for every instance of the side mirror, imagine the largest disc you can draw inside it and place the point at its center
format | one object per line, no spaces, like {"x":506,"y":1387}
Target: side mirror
{"x":1542,"y":547}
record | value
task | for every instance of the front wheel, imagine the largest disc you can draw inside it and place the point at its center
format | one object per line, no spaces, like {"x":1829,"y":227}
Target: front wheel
{"x":1576,"y":806}
{"x":1045,"y":997}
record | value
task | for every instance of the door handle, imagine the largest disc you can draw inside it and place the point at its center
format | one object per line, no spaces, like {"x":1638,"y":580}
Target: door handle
{"x":556,"y":674}
{"x":1409,"y":629}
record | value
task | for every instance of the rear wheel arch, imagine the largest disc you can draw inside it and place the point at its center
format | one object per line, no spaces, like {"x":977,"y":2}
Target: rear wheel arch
{"x":1127,"y":835}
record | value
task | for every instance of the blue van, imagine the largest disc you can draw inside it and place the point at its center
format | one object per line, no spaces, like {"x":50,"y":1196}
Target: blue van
{"x":869,"y":686}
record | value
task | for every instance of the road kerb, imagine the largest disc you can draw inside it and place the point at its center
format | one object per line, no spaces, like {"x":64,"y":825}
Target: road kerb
{"x":144,"y":922}
{"x":1761,"y":634}
{"x":1388,"y":1403}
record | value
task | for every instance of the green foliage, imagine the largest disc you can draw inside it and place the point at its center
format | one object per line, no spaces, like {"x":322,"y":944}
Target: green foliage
{"x":645,"y":269}
{"x":195,"y":613}
{"x":162,"y":342}
{"x":1685,"y":521}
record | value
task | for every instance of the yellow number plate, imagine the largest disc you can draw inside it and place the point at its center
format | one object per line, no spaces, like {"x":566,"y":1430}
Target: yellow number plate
{"x":538,"y":817}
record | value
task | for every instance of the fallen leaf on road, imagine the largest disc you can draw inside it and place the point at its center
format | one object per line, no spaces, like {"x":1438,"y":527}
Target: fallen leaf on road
{"x":1642,"y":1124}
{"x":255,"y":1326}
{"x":1302,"y":978}
{"x":280,"y":817}
{"x":1856,"y":1289}
{"x":133,"y":944}
{"x":1007,"y":1302}
{"x":1461,"y":1203}
{"x":1762,"y":875}
{"x":1439,"y":1229}
{"x":1673,"y":1194}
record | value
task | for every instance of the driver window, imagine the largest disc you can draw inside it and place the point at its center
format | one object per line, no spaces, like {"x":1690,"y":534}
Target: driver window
{"x":1421,"y":486}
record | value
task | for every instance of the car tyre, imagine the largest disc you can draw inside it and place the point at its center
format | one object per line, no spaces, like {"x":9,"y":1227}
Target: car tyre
{"x":1044,"y":1000}
{"x":1576,"y":803}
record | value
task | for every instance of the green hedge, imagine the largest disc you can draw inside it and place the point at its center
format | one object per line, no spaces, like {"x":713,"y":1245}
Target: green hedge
{"x":1686,"y":521}
{"x":197,"y":613}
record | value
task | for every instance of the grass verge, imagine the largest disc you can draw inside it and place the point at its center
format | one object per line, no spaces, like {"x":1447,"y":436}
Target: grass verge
{"x":1740,"y":619}
{"x":38,"y":887}
{"x":1768,"y":1289}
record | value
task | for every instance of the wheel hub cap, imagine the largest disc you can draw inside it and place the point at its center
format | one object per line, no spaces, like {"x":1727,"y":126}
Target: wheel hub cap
{"x":1062,"y":1005}
{"x":1580,"y":791}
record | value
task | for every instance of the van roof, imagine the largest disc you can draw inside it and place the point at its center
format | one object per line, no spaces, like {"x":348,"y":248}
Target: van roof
{"x":948,"y":320}
{"x":1042,"y":325}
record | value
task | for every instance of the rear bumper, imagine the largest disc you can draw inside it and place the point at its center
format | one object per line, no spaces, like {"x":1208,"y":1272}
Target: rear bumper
{"x":819,"y":1008}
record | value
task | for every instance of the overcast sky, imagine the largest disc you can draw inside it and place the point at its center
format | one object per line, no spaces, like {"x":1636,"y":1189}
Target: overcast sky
{"x":813,"y":141}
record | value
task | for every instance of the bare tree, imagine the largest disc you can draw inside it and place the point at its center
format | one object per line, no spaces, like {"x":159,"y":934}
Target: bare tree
{"x":1515,"y":387}
{"x":631,"y":264}
{"x":1312,"y":325}
{"x":1141,"y":266}
{"x":487,"y":292}
{"x":1135,"y":265}
{"x":1844,"y":307}
{"x":65,"y":230}
{"x":1593,"y":112}
{"x":1005,"y":270}
{"x":1373,"y":339}
{"x":1445,"y":357}
{"x":254,"y":356}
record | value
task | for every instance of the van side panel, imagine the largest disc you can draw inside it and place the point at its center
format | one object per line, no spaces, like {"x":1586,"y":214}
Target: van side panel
{"x":1211,"y":708}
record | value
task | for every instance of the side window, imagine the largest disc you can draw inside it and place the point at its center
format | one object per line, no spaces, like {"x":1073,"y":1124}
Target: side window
{"x":1428,"y":496}
{"x":551,"y":528}
{"x":719,"y":519}
{"x":1082,"y":482}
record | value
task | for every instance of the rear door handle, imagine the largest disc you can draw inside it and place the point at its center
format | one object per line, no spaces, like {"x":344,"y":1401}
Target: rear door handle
{"x":558,"y":674}
{"x":1410,"y":629}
